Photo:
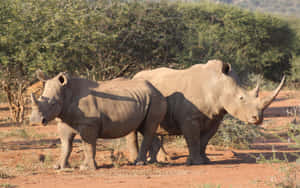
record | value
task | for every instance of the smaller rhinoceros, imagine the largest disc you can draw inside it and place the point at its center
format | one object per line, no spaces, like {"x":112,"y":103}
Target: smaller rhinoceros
{"x":109,"y":109}
{"x":198,"y":98}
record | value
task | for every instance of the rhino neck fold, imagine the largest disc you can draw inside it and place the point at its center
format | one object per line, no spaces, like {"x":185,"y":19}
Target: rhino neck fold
{"x":67,"y":101}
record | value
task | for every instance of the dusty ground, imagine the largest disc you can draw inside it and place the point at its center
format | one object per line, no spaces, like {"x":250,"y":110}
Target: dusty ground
{"x":29,"y":152}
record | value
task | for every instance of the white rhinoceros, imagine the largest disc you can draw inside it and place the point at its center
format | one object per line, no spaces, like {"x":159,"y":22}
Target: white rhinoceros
{"x":198,"y":98}
{"x":109,"y":109}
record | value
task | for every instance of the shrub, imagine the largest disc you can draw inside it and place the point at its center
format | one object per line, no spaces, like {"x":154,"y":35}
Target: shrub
{"x":104,"y":39}
{"x":234,"y":133}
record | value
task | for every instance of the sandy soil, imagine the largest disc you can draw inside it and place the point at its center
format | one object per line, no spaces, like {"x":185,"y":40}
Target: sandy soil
{"x":29,"y":152}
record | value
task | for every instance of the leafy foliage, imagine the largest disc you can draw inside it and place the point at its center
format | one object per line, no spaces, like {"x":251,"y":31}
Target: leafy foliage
{"x":105,"y":37}
{"x":235,"y":134}
{"x":252,"y":42}
{"x":110,"y":38}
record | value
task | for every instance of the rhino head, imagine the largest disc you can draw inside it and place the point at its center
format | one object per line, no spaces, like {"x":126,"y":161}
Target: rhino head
{"x":50,"y":103}
{"x":237,"y":101}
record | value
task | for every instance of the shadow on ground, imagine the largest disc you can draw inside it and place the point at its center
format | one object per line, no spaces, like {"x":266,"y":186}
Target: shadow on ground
{"x":253,"y":158}
{"x":282,"y":111}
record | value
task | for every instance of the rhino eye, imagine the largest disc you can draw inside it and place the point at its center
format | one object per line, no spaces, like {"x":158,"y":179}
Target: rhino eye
{"x":241,"y":98}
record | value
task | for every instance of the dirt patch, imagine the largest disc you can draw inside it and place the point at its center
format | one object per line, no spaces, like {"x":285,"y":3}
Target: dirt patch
{"x":29,"y":152}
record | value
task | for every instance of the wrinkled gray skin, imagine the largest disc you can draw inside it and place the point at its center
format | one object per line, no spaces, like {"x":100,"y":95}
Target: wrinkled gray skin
{"x":110,"y":109}
{"x":198,"y":98}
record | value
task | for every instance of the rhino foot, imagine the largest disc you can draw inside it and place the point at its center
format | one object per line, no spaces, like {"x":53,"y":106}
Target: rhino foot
{"x":58,"y":166}
{"x":202,"y":160}
{"x":205,"y":160}
{"x":139,"y":163}
{"x":86,"y":167}
{"x":151,"y":161}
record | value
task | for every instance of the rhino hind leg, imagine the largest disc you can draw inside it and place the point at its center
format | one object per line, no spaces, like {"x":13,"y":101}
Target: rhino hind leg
{"x":66,"y":135}
{"x":146,"y":145}
{"x":163,"y":154}
{"x":157,"y":151}
{"x":149,"y":127}
{"x":154,"y":149}
{"x":132,"y":145}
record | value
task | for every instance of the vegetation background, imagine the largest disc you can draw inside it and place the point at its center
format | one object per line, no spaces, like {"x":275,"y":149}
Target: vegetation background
{"x":104,"y":39}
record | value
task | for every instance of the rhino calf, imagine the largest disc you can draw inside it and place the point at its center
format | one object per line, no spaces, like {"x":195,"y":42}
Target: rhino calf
{"x":109,"y":109}
{"x":198,"y":98}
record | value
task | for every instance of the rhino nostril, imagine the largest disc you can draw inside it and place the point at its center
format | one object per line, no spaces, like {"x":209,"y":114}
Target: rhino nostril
{"x":255,"y":117}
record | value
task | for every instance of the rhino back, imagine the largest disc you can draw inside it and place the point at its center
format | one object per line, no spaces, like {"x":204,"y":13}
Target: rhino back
{"x":195,"y":84}
{"x":117,"y":106}
{"x":191,"y":94}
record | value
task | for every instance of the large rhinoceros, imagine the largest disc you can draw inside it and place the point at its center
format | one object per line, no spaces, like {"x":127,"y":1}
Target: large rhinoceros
{"x":198,"y":98}
{"x":109,"y":109}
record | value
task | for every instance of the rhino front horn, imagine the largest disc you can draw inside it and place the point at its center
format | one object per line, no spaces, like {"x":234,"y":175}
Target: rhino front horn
{"x":265,"y":102}
{"x":34,"y":100}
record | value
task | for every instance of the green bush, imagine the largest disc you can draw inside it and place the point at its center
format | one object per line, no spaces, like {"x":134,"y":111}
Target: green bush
{"x":235,"y":134}
{"x":252,"y":42}
{"x":82,"y":37}
{"x":105,"y":39}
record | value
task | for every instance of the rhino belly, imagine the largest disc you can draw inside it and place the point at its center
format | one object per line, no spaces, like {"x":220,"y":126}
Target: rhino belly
{"x":162,"y":131}
{"x":168,"y":127}
{"x":122,"y":127}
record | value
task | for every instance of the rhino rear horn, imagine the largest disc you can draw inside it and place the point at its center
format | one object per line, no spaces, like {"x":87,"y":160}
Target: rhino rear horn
{"x":265,"y":102}
{"x":255,"y":91}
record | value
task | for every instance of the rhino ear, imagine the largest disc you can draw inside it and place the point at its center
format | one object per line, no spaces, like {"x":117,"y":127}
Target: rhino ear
{"x":41,"y":75}
{"x":219,"y":66}
{"x":226,"y":68}
{"x":63,"y":78}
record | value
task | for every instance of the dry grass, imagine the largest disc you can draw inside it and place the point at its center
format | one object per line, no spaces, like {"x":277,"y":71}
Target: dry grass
{"x":5,"y":175}
{"x":7,"y":185}
{"x":287,"y":176}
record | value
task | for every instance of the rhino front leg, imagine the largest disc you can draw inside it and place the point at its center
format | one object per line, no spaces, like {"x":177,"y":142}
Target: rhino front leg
{"x":132,"y":145}
{"x":89,"y":138}
{"x":203,"y":155}
{"x":205,"y":137}
{"x":191,"y":132}
{"x":89,"y":162}
{"x":66,"y":135}
{"x":194,"y":151}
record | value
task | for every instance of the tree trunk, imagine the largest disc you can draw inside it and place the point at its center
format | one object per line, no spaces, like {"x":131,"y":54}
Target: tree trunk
{"x":14,"y":92}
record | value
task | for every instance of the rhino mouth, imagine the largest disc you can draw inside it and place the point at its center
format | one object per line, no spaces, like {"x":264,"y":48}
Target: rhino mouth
{"x":255,"y":121}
